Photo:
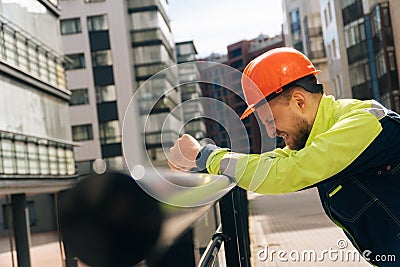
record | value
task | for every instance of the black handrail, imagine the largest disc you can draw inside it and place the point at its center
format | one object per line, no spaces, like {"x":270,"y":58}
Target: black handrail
{"x":108,"y":219}
{"x":211,"y":252}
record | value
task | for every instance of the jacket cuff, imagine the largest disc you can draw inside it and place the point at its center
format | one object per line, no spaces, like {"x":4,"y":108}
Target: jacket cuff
{"x":201,"y":159}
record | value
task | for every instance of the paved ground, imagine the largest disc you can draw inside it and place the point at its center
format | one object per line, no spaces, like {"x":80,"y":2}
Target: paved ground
{"x":45,"y":251}
{"x":296,"y":225}
{"x":293,"y":223}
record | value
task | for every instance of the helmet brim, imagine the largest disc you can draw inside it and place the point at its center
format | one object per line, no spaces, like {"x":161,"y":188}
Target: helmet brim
{"x":249,"y":110}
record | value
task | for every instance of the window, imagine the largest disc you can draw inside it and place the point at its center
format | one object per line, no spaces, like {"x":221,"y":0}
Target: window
{"x":380,"y":64}
{"x":33,"y":157}
{"x":8,"y":155}
{"x":392,"y":61}
{"x":76,"y":61}
{"x":7,"y":211}
{"x":105,"y":93}
{"x":346,"y":3}
{"x":326,"y":18}
{"x":359,"y":73}
{"x":329,"y":11}
{"x":101,"y":58}
{"x":97,"y":23}
{"x":354,"y":33}
{"x":115,"y":163}
{"x":21,"y":157}
{"x":44,"y":160}
{"x":84,"y":167}
{"x":334,"y":55}
{"x":70,"y":26}
{"x":151,"y":54}
{"x":110,"y":132}
{"x":82,"y":132}
{"x":79,"y":97}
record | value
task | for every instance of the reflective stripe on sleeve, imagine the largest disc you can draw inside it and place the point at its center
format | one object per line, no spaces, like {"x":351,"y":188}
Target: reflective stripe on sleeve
{"x":378,"y":110}
{"x":228,"y":164}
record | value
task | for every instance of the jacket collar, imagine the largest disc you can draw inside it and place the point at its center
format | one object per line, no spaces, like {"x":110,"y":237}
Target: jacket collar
{"x":324,"y":119}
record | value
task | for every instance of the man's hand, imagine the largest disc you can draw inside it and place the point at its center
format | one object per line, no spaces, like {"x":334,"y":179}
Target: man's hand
{"x":182,"y":156}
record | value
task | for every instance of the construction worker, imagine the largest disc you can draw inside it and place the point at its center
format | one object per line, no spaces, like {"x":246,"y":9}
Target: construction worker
{"x":349,"y":149}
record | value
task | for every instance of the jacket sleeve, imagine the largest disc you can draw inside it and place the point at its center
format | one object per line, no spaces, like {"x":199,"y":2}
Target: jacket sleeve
{"x":283,"y":170}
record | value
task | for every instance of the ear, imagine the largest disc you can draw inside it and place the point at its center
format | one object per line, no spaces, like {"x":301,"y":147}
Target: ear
{"x":299,"y":99}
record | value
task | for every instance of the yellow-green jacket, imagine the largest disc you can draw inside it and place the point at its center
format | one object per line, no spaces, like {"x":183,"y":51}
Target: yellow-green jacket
{"x":352,"y":156}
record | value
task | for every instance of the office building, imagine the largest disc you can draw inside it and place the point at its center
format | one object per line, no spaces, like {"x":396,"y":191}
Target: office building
{"x":360,"y":40}
{"x":191,"y":95}
{"x":115,"y":47}
{"x":36,"y":149}
{"x":302,"y":28}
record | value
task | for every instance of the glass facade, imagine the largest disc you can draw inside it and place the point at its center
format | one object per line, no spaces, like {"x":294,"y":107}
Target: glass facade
{"x":34,"y":128}
{"x":35,"y":20}
{"x":31,"y":155}
{"x":20,"y":51}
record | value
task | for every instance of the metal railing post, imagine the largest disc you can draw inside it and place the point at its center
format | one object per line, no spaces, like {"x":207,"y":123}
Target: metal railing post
{"x":227,"y":211}
{"x":241,"y":216}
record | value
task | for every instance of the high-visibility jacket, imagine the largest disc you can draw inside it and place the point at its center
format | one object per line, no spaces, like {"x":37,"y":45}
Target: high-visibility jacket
{"x":352,"y":156}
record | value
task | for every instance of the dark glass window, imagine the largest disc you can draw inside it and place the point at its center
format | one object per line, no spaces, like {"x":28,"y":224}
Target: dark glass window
{"x":7,"y":211}
{"x":82,"y":132}
{"x":76,"y":61}
{"x":84,"y":167}
{"x":79,"y":97}
{"x":70,"y":26}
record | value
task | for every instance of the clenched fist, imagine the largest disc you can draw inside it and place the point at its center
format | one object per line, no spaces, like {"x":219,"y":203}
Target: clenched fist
{"x":182,"y":156}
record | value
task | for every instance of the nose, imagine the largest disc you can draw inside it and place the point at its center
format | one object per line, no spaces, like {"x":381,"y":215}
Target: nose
{"x":271,"y":129}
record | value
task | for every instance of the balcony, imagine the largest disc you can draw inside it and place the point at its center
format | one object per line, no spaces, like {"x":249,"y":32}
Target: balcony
{"x":357,"y":52}
{"x":32,"y":164}
{"x":147,"y":5}
{"x":352,"y":12}
{"x":151,"y":37}
{"x":28,"y":56}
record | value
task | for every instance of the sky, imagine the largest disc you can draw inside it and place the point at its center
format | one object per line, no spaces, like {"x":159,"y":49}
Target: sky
{"x":215,"y":24}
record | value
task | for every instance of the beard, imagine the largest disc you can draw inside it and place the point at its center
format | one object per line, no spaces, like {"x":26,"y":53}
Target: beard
{"x":300,"y":138}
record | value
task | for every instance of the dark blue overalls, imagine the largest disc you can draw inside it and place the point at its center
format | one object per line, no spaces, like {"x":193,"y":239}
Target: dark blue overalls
{"x":364,"y":199}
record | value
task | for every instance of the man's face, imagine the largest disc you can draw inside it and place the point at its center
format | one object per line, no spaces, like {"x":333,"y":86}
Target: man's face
{"x":286,"y":122}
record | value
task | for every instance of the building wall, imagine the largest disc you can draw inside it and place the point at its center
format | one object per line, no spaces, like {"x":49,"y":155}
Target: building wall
{"x":35,"y":18}
{"x":138,"y":41}
{"x":35,"y":133}
{"x":394,"y":11}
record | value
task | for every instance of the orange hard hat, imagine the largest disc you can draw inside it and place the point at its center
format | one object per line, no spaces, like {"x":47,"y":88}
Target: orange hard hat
{"x":266,"y":75}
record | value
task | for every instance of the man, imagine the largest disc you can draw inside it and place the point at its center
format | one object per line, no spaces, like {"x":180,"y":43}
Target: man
{"x":348,"y":149}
